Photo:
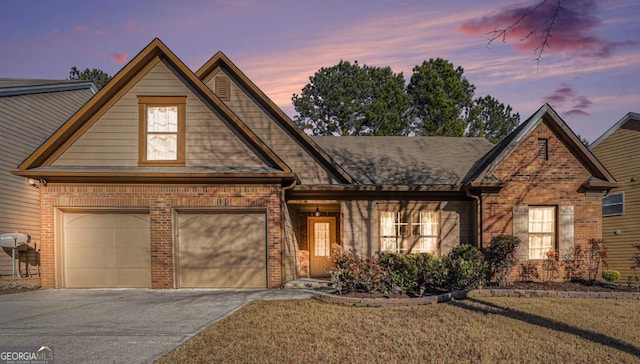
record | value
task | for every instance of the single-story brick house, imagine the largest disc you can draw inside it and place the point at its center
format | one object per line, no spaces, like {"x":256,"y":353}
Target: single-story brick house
{"x":169,"y":178}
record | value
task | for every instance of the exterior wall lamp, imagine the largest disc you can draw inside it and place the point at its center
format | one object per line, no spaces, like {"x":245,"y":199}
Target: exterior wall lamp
{"x":35,"y":182}
{"x":317,"y":213}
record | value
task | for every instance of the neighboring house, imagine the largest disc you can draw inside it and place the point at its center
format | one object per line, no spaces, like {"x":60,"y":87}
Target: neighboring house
{"x":619,"y":150}
{"x":170,"y":179}
{"x":30,"y":111}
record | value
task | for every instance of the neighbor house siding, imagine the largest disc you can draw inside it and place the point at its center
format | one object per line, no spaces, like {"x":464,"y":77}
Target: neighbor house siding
{"x":161,"y":202}
{"x":620,"y":153}
{"x":284,"y":145}
{"x":533,"y":181}
{"x":113,"y":139}
{"x":26,"y":122}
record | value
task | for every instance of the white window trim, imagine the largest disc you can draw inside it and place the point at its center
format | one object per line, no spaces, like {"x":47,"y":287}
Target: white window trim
{"x":613,"y":204}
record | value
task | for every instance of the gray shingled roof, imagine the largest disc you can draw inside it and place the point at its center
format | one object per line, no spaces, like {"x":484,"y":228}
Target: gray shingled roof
{"x":405,"y":161}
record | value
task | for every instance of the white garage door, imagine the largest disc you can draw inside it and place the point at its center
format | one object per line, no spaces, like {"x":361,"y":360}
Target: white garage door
{"x":222,"y":249}
{"x":106,"y":250}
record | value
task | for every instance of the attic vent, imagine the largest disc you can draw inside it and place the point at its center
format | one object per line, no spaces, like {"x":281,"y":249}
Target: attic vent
{"x":223,"y":88}
{"x":543,"y":150}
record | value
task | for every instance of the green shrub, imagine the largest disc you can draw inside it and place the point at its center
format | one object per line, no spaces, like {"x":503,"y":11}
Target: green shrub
{"x":611,"y":275}
{"x":430,"y":273}
{"x":465,"y":267}
{"x":501,"y":257}
{"x":401,"y":270}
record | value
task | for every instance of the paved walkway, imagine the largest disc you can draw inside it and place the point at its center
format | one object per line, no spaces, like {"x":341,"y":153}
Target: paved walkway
{"x":118,"y":326}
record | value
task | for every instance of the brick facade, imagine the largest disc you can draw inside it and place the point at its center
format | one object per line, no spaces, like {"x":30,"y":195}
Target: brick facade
{"x":532,"y":180}
{"x":160,"y":200}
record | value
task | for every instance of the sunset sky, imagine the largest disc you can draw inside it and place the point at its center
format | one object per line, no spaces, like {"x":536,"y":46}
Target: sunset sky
{"x":590,"y":73}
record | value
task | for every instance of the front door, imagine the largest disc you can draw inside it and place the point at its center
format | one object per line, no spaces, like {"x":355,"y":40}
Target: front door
{"x":322,"y":235}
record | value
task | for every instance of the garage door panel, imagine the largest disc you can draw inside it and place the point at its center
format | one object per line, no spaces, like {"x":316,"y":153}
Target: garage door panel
{"x":224,"y":278}
{"x":222,"y":249}
{"x":106,"y":250}
{"x":90,"y":257}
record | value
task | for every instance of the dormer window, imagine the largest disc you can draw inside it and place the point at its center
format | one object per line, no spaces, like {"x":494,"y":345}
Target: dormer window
{"x":162,"y":130}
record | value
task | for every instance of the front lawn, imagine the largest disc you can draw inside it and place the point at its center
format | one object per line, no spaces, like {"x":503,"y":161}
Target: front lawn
{"x":485,"y":330}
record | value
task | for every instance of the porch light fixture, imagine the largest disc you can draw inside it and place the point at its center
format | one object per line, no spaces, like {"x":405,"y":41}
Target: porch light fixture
{"x":317,"y":213}
{"x":34,"y":182}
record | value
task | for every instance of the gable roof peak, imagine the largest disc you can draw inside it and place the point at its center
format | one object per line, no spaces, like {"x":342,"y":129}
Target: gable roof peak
{"x":628,"y":116}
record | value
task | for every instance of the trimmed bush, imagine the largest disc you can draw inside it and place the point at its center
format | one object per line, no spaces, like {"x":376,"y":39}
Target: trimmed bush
{"x":431,"y":275}
{"x":402,"y":271}
{"x":501,"y":257}
{"x":354,"y":273}
{"x":611,"y":275}
{"x":465,"y":267}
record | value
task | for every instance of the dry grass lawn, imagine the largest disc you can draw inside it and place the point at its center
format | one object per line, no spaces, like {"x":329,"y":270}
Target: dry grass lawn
{"x":488,"y":330}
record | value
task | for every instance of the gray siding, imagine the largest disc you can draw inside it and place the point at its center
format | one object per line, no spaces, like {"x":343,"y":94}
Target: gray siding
{"x":113,"y":139}
{"x":620,"y":154}
{"x":26,"y":122}
{"x":284,"y":145}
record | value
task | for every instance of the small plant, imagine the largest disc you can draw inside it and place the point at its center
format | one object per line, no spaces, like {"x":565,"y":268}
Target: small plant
{"x":594,"y":255}
{"x":636,"y":257}
{"x":501,"y":257}
{"x":550,"y":267}
{"x":431,"y":273}
{"x":611,"y":275}
{"x":528,"y":271}
{"x":351,"y":272}
{"x":574,"y":264}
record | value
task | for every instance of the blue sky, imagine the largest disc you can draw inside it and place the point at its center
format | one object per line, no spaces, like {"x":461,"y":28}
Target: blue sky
{"x":589,"y":74}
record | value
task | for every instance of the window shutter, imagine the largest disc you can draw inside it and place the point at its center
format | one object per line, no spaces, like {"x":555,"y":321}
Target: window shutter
{"x":450,"y":231}
{"x":223,"y":88}
{"x":521,"y":230}
{"x":565,"y":229}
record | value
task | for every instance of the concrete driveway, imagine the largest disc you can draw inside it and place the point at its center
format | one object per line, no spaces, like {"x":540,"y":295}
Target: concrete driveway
{"x":118,"y":326}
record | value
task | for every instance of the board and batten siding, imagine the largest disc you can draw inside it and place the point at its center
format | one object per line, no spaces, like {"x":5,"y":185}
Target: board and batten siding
{"x":620,"y":154}
{"x":360,"y":230}
{"x":283,"y":144}
{"x":26,"y":122}
{"x":113,"y":139}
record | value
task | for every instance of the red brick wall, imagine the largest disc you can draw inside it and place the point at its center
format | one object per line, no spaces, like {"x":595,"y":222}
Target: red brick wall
{"x":160,"y":200}
{"x":532,"y":181}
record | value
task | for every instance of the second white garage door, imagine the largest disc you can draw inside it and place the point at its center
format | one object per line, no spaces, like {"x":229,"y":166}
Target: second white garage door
{"x":222,"y":249}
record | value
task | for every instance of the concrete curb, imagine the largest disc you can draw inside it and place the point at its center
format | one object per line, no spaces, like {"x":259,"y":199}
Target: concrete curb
{"x":460,"y":295}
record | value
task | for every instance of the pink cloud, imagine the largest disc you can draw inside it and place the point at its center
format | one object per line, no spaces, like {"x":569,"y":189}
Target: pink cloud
{"x":565,"y":97}
{"x":119,"y":58}
{"x":80,"y":28}
{"x":572,"y":31}
{"x":131,"y":25}
{"x":55,"y":31}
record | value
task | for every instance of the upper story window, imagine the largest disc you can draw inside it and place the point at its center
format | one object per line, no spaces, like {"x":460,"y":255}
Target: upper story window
{"x":162,"y":130}
{"x":613,"y":204}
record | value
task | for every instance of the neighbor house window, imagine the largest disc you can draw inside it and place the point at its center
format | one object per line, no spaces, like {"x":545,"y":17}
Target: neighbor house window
{"x":162,"y":130}
{"x":409,"y":233}
{"x":542,"y":222}
{"x":613,"y":204}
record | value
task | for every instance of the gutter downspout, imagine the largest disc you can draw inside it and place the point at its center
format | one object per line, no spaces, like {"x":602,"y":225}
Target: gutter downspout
{"x":478,"y":200}
{"x":283,"y":274}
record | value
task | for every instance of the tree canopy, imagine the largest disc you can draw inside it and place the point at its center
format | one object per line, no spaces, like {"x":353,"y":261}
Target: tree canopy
{"x":349,"y":99}
{"x":97,"y":76}
{"x":491,"y":119}
{"x":441,"y":98}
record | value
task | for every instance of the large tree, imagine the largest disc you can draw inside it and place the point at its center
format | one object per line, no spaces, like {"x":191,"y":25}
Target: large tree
{"x":98,"y":77}
{"x":491,"y":119}
{"x":440,"y":98}
{"x":349,"y":99}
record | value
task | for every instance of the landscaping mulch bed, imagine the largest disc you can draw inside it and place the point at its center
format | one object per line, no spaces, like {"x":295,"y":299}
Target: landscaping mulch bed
{"x":537,"y":286}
